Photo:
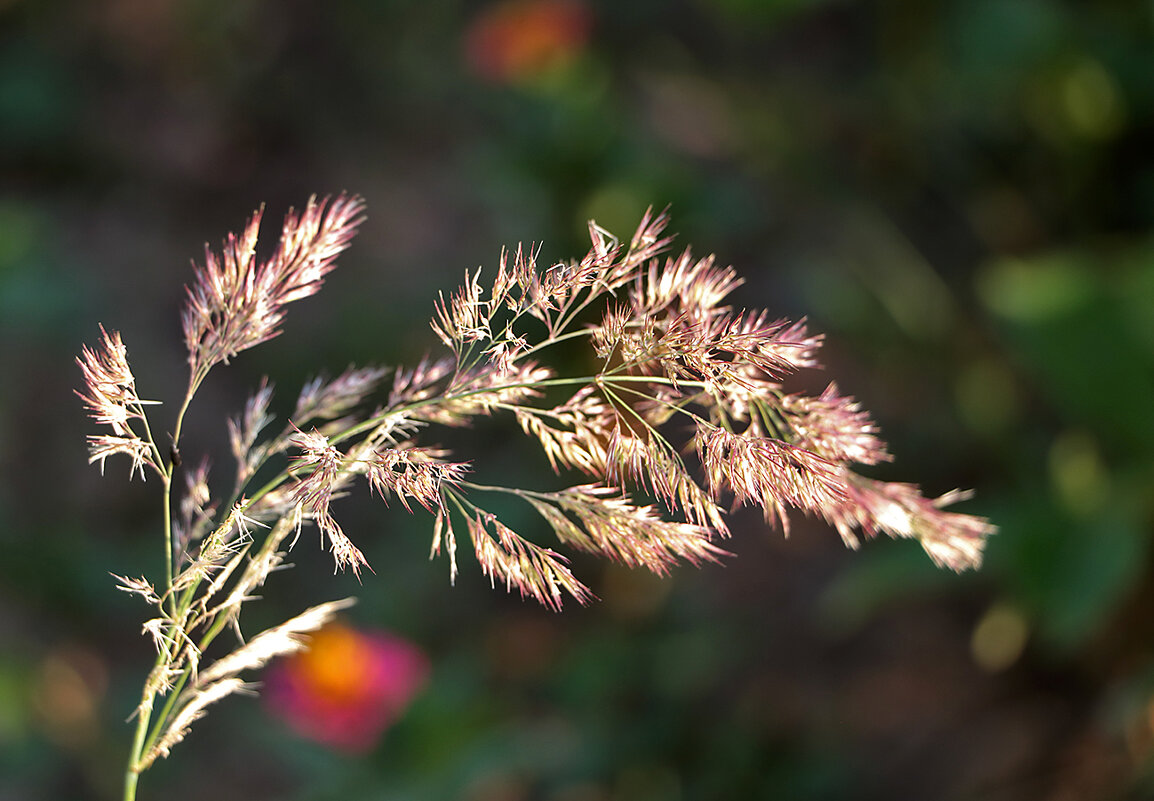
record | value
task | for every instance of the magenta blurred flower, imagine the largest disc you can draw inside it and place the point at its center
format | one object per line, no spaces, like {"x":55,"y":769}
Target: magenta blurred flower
{"x":348,"y":687}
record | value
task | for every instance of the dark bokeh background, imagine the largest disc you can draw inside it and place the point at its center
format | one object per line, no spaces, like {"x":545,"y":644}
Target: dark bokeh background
{"x":959,"y":193}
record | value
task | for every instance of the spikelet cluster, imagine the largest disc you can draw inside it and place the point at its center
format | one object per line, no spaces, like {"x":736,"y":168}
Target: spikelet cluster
{"x":110,"y":396}
{"x":236,"y":303}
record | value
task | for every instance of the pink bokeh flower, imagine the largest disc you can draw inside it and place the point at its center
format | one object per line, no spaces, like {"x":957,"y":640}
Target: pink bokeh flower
{"x":347,"y":687}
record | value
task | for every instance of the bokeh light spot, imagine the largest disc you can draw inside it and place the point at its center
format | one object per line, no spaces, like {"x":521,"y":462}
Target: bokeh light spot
{"x":69,"y":688}
{"x":1092,"y":102}
{"x":1078,"y":474}
{"x":999,"y":638}
{"x":986,"y":396}
{"x":1035,"y":290}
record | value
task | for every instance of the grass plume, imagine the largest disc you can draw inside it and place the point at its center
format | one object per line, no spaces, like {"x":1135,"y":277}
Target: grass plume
{"x":684,"y":417}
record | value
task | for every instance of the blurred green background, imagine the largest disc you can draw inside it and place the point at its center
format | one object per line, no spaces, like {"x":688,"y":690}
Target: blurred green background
{"x":959,"y":193}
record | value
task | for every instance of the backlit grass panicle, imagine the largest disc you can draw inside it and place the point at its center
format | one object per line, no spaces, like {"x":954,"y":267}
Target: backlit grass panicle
{"x":320,"y":466}
{"x":110,"y":395}
{"x":323,"y":399}
{"x":485,"y":388}
{"x":649,"y":462}
{"x":234,"y":303}
{"x":101,"y":446}
{"x":197,"y":509}
{"x":768,"y":473}
{"x":834,"y":427}
{"x":413,"y":474}
{"x":951,"y":539}
{"x":572,"y":434}
{"x":244,"y":432}
{"x":678,"y":412}
{"x":110,"y":388}
{"x":181,"y":722}
{"x":287,"y":638}
{"x":636,"y":536}
{"x":539,"y":573}
{"x":465,"y":317}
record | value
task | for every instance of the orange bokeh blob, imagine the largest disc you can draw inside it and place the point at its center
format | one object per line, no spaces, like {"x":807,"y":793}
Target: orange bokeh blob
{"x":518,"y":40}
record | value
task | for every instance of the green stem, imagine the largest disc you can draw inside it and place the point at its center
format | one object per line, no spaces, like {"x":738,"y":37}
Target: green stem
{"x":169,"y":545}
{"x":144,"y":714}
{"x":130,"y":785}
